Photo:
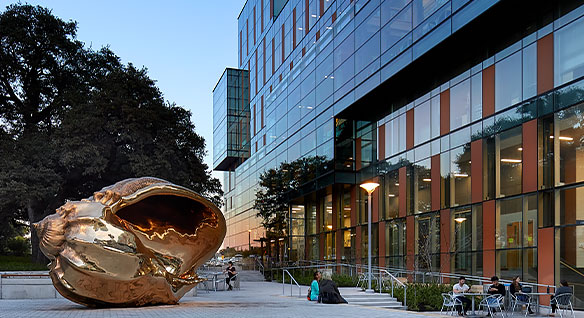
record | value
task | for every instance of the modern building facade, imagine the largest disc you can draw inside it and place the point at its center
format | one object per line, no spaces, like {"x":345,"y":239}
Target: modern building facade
{"x":470,"y":114}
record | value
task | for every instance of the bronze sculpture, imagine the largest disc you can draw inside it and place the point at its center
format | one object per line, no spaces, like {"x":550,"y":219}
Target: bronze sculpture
{"x":137,"y":242}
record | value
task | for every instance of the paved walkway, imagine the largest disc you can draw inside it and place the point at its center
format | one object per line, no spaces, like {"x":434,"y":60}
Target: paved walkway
{"x":255,"y":299}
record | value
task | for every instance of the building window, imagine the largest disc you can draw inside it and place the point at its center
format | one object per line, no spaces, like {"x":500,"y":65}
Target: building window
{"x":395,"y":243}
{"x":395,"y":136}
{"x":571,"y":206}
{"x":571,"y":259}
{"x":348,"y":245}
{"x":310,"y":218}
{"x":391,"y":194}
{"x":516,"y":237}
{"x":427,"y":247}
{"x":420,"y":187}
{"x":569,"y":53}
{"x":569,"y":127}
{"x":508,"y":162}
{"x":508,"y":85}
{"x":327,"y":212}
{"x":460,"y":105}
{"x":422,"y":115}
{"x":330,"y":251}
{"x":345,"y":213}
{"x":460,"y":192}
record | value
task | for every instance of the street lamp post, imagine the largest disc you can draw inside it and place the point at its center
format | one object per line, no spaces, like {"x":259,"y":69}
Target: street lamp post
{"x":249,"y":239}
{"x":369,"y":187}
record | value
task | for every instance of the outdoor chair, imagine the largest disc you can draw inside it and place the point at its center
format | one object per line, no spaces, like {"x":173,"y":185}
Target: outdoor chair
{"x":520,"y":300}
{"x":563,"y":303}
{"x":492,"y":303}
{"x":234,"y":279}
{"x":449,"y":302}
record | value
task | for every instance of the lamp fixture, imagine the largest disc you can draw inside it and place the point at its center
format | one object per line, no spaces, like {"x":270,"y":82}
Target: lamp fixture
{"x":427,"y":180}
{"x":460,"y":219}
{"x":369,"y":186}
{"x":460,"y":175}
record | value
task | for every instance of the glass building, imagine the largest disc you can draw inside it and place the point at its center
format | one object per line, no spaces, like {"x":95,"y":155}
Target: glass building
{"x":470,"y":114}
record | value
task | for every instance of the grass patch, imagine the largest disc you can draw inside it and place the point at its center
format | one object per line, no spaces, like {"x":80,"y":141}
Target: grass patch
{"x":19,"y":263}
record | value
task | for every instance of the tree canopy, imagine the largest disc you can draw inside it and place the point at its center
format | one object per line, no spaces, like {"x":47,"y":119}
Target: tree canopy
{"x":73,"y":120}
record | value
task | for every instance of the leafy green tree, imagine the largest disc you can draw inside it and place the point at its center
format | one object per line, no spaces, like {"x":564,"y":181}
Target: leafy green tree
{"x":73,"y":120}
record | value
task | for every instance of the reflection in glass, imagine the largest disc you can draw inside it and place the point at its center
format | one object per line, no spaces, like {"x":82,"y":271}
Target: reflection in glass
{"x":395,"y":243}
{"x":460,"y":104}
{"x":508,"y":86}
{"x":508,"y":158}
{"x":569,"y":127}
{"x":427,"y":247}
{"x":460,"y":192}
{"x":391,"y":194}
{"x":326,"y":212}
{"x":571,"y":205}
{"x":509,"y":220}
{"x":421,"y":186}
{"x":571,"y":259}
{"x":569,"y":53}
{"x":422,"y":123}
{"x":345,"y":213}
{"x":330,"y":246}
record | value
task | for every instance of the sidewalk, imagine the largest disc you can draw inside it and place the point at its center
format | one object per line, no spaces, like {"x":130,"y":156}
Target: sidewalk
{"x":255,"y":299}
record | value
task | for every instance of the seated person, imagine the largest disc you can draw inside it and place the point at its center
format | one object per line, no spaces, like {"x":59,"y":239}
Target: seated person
{"x":458,"y":290}
{"x":496,"y":288}
{"x":563,"y":289}
{"x":231,"y":272}
{"x":314,"y":289}
{"x":515,"y":290}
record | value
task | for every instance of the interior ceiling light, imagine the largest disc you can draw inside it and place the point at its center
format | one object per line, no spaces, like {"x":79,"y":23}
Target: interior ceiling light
{"x":460,"y":175}
{"x":511,"y":160}
{"x":426,"y":180}
{"x":460,"y":219}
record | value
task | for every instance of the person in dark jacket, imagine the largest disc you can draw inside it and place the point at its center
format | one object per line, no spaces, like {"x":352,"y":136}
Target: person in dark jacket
{"x":515,"y":290}
{"x":563,"y":289}
{"x":496,"y":288}
{"x":329,"y":293}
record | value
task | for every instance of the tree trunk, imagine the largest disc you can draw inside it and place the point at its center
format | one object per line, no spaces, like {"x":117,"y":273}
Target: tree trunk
{"x":37,"y":256}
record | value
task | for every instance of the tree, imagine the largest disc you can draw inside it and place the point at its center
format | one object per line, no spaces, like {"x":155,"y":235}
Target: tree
{"x":278,"y":184}
{"x":73,"y":120}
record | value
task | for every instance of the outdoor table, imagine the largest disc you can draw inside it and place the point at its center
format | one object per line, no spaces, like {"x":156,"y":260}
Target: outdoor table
{"x":536,"y":296}
{"x":472,"y":300}
{"x":215,"y":274}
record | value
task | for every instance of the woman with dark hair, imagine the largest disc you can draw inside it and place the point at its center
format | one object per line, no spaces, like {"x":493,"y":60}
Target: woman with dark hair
{"x":314,"y":287}
{"x":515,"y":290}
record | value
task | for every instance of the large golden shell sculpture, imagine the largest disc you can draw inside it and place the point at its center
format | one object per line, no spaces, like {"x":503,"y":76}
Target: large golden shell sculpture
{"x":137,"y":242}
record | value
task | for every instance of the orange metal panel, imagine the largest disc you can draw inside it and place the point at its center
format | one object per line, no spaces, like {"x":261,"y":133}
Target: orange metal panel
{"x":476,"y":170}
{"x":545,"y":63}
{"x":435,"y":174}
{"x":358,"y":243}
{"x":488,"y":263}
{"x":445,"y":231}
{"x":445,"y":112}
{"x":381,"y":228}
{"x":489,"y":91}
{"x":529,"y":154}
{"x":410,"y":129}
{"x":410,"y":242}
{"x":353,"y":192}
{"x":545,"y":260}
{"x":489,"y":225}
{"x":402,"y":192}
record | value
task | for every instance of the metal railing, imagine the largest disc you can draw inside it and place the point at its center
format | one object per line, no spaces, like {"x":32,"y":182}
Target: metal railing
{"x":284,"y":272}
{"x":382,"y":276}
{"x":260,"y":266}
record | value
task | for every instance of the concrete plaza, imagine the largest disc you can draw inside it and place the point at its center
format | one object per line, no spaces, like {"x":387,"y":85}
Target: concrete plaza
{"x":255,"y":299}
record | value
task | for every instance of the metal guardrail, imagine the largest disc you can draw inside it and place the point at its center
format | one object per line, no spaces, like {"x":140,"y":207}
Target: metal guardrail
{"x":382,"y":274}
{"x":284,"y":272}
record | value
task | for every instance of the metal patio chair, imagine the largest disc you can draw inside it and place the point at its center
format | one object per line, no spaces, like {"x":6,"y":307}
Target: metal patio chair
{"x":563,"y":303}
{"x":449,"y":302}
{"x":492,"y":303}
{"x":522,"y":300}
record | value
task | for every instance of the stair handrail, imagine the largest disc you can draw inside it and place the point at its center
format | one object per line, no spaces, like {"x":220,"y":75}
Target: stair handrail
{"x":284,"y":272}
{"x":261,"y":266}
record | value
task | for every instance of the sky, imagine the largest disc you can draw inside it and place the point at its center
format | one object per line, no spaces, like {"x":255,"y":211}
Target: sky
{"x":185,"y":44}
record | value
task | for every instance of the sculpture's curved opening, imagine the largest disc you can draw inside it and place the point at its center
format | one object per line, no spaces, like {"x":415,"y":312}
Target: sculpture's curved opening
{"x":158,"y":213}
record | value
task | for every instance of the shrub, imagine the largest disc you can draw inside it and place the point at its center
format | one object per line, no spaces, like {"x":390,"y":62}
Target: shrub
{"x":18,"y":246}
{"x":423,"y":297}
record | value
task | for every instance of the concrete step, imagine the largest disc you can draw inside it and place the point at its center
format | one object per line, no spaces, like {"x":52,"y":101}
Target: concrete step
{"x":367,"y":299}
{"x":251,"y":276}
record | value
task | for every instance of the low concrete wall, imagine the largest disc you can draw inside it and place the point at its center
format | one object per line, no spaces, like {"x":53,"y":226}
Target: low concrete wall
{"x":27,"y":285}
